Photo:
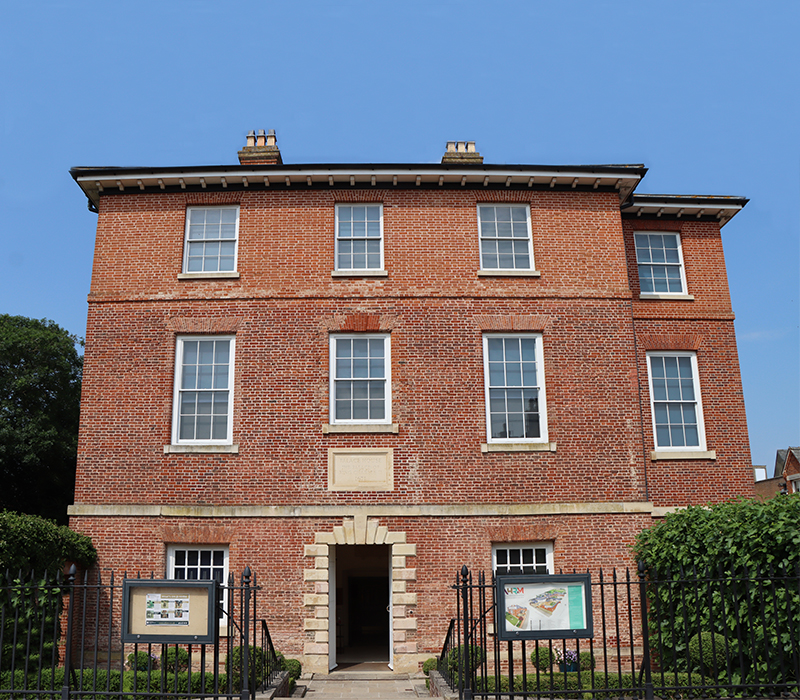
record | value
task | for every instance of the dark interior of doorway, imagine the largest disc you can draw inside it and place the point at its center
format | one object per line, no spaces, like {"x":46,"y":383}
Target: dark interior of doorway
{"x":362,"y":601}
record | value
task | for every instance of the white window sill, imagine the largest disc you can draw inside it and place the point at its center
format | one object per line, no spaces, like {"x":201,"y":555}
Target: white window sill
{"x":509,"y":273}
{"x":208,"y":275}
{"x":201,"y":449}
{"x":665,"y":297}
{"x":518,"y":447}
{"x":359,"y":273}
{"x":656,"y":455}
{"x":360,"y":428}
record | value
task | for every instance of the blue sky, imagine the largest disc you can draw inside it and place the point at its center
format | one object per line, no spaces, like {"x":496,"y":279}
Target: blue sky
{"x":705,"y":94}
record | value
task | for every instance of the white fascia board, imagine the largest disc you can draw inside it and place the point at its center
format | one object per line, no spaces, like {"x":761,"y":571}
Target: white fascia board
{"x":472,"y":172}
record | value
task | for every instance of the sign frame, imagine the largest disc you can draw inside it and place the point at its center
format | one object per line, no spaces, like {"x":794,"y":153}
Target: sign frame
{"x":200,"y":627}
{"x":577,"y":589}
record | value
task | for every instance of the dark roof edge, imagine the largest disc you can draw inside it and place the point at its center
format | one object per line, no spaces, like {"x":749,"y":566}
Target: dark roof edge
{"x":684,"y":198}
{"x":83,"y":171}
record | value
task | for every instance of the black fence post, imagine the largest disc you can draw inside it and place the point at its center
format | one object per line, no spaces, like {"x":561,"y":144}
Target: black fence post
{"x":466,"y":673}
{"x":246,"y":633}
{"x":70,"y":584}
{"x":648,"y":676}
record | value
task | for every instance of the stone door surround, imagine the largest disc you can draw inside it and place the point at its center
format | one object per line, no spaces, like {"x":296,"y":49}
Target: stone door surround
{"x":358,"y":530}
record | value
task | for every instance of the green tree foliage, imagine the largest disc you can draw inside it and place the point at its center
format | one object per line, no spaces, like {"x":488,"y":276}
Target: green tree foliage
{"x":32,"y":553}
{"x":724,"y":593}
{"x":744,"y":533}
{"x":40,"y":386}
{"x":30,"y":543}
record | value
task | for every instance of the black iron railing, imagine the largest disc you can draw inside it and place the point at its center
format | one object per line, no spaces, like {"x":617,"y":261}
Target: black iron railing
{"x":60,"y":639}
{"x":655,"y":635}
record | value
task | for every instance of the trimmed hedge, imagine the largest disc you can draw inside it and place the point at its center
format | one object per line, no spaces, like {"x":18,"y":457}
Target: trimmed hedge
{"x":119,"y":686}
{"x":556,"y":683}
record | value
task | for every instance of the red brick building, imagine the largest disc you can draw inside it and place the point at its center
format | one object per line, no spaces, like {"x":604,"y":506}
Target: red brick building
{"x":356,"y":378}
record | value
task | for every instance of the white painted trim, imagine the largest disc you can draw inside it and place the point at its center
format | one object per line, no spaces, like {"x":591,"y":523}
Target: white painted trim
{"x":681,"y":265}
{"x":333,"y":339}
{"x":546,"y":545}
{"x":472,"y":173}
{"x":509,"y":273}
{"x":179,"y":341}
{"x":208,"y":275}
{"x":540,"y":380}
{"x":186,"y":240}
{"x":332,"y":608}
{"x":356,"y":271}
{"x":505,"y":271}
{"x":701,"y":431}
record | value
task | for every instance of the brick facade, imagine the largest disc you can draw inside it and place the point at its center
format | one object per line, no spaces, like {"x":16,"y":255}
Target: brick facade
{"x":597,"y":482}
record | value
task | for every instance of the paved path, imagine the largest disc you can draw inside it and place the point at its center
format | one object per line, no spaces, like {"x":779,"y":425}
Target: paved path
{"x":354,"y":686}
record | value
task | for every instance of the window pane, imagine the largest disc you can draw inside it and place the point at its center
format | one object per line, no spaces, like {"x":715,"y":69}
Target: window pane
{"x":514,"y":374}
{"x":344,"y":347}
{"x":502,"y":556}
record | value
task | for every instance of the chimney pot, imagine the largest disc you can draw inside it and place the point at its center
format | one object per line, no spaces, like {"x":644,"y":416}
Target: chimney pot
{"x":462,"y":152}
{"x":261,"y":149}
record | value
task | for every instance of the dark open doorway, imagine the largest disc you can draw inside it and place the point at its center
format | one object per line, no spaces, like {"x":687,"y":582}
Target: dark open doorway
{"x":362,"y":604}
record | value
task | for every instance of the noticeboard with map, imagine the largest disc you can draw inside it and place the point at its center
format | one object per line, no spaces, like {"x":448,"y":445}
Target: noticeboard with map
{"x":544,"y":607}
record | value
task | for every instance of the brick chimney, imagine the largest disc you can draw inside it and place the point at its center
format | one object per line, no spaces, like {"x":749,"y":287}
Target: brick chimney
{"x":261,"y":149}
{"x":462,"y":152}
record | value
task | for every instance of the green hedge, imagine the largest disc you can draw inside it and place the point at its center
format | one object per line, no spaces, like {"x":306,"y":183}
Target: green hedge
{"x":554,"y":685}
{"x":734,"y":542}
{"x":119,"y":686}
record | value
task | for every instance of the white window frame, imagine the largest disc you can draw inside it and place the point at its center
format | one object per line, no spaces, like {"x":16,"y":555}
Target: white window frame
{"x":518,"y":547}
{"x":187,"y":242}
{"x":528,"y":239}
{"x":701,"y":447}
{"x":176,"y":400}
{"x":540,"y":385}
{"x":681,"y":267}
{"x":338,"y":240}
{"x":172,"y":549}
{"x":387,"y":379}
{"x":794,"y":482}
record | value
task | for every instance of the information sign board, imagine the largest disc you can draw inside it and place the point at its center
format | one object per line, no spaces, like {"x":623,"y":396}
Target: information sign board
{"x":544,"y":607}
{"x":165,"y":612}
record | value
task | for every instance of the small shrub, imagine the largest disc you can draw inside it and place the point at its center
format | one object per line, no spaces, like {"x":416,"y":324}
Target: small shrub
{"x":454,"y":658}
{"x":430,"y":665}
{"x":707,"y":649}
{"x":234,"y":667}
{"x":175,"y":660}
{"x":292,"y":666}
{"x":142,"y":661}
{"x":586,"y":661}
{"x":542,"y":658}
